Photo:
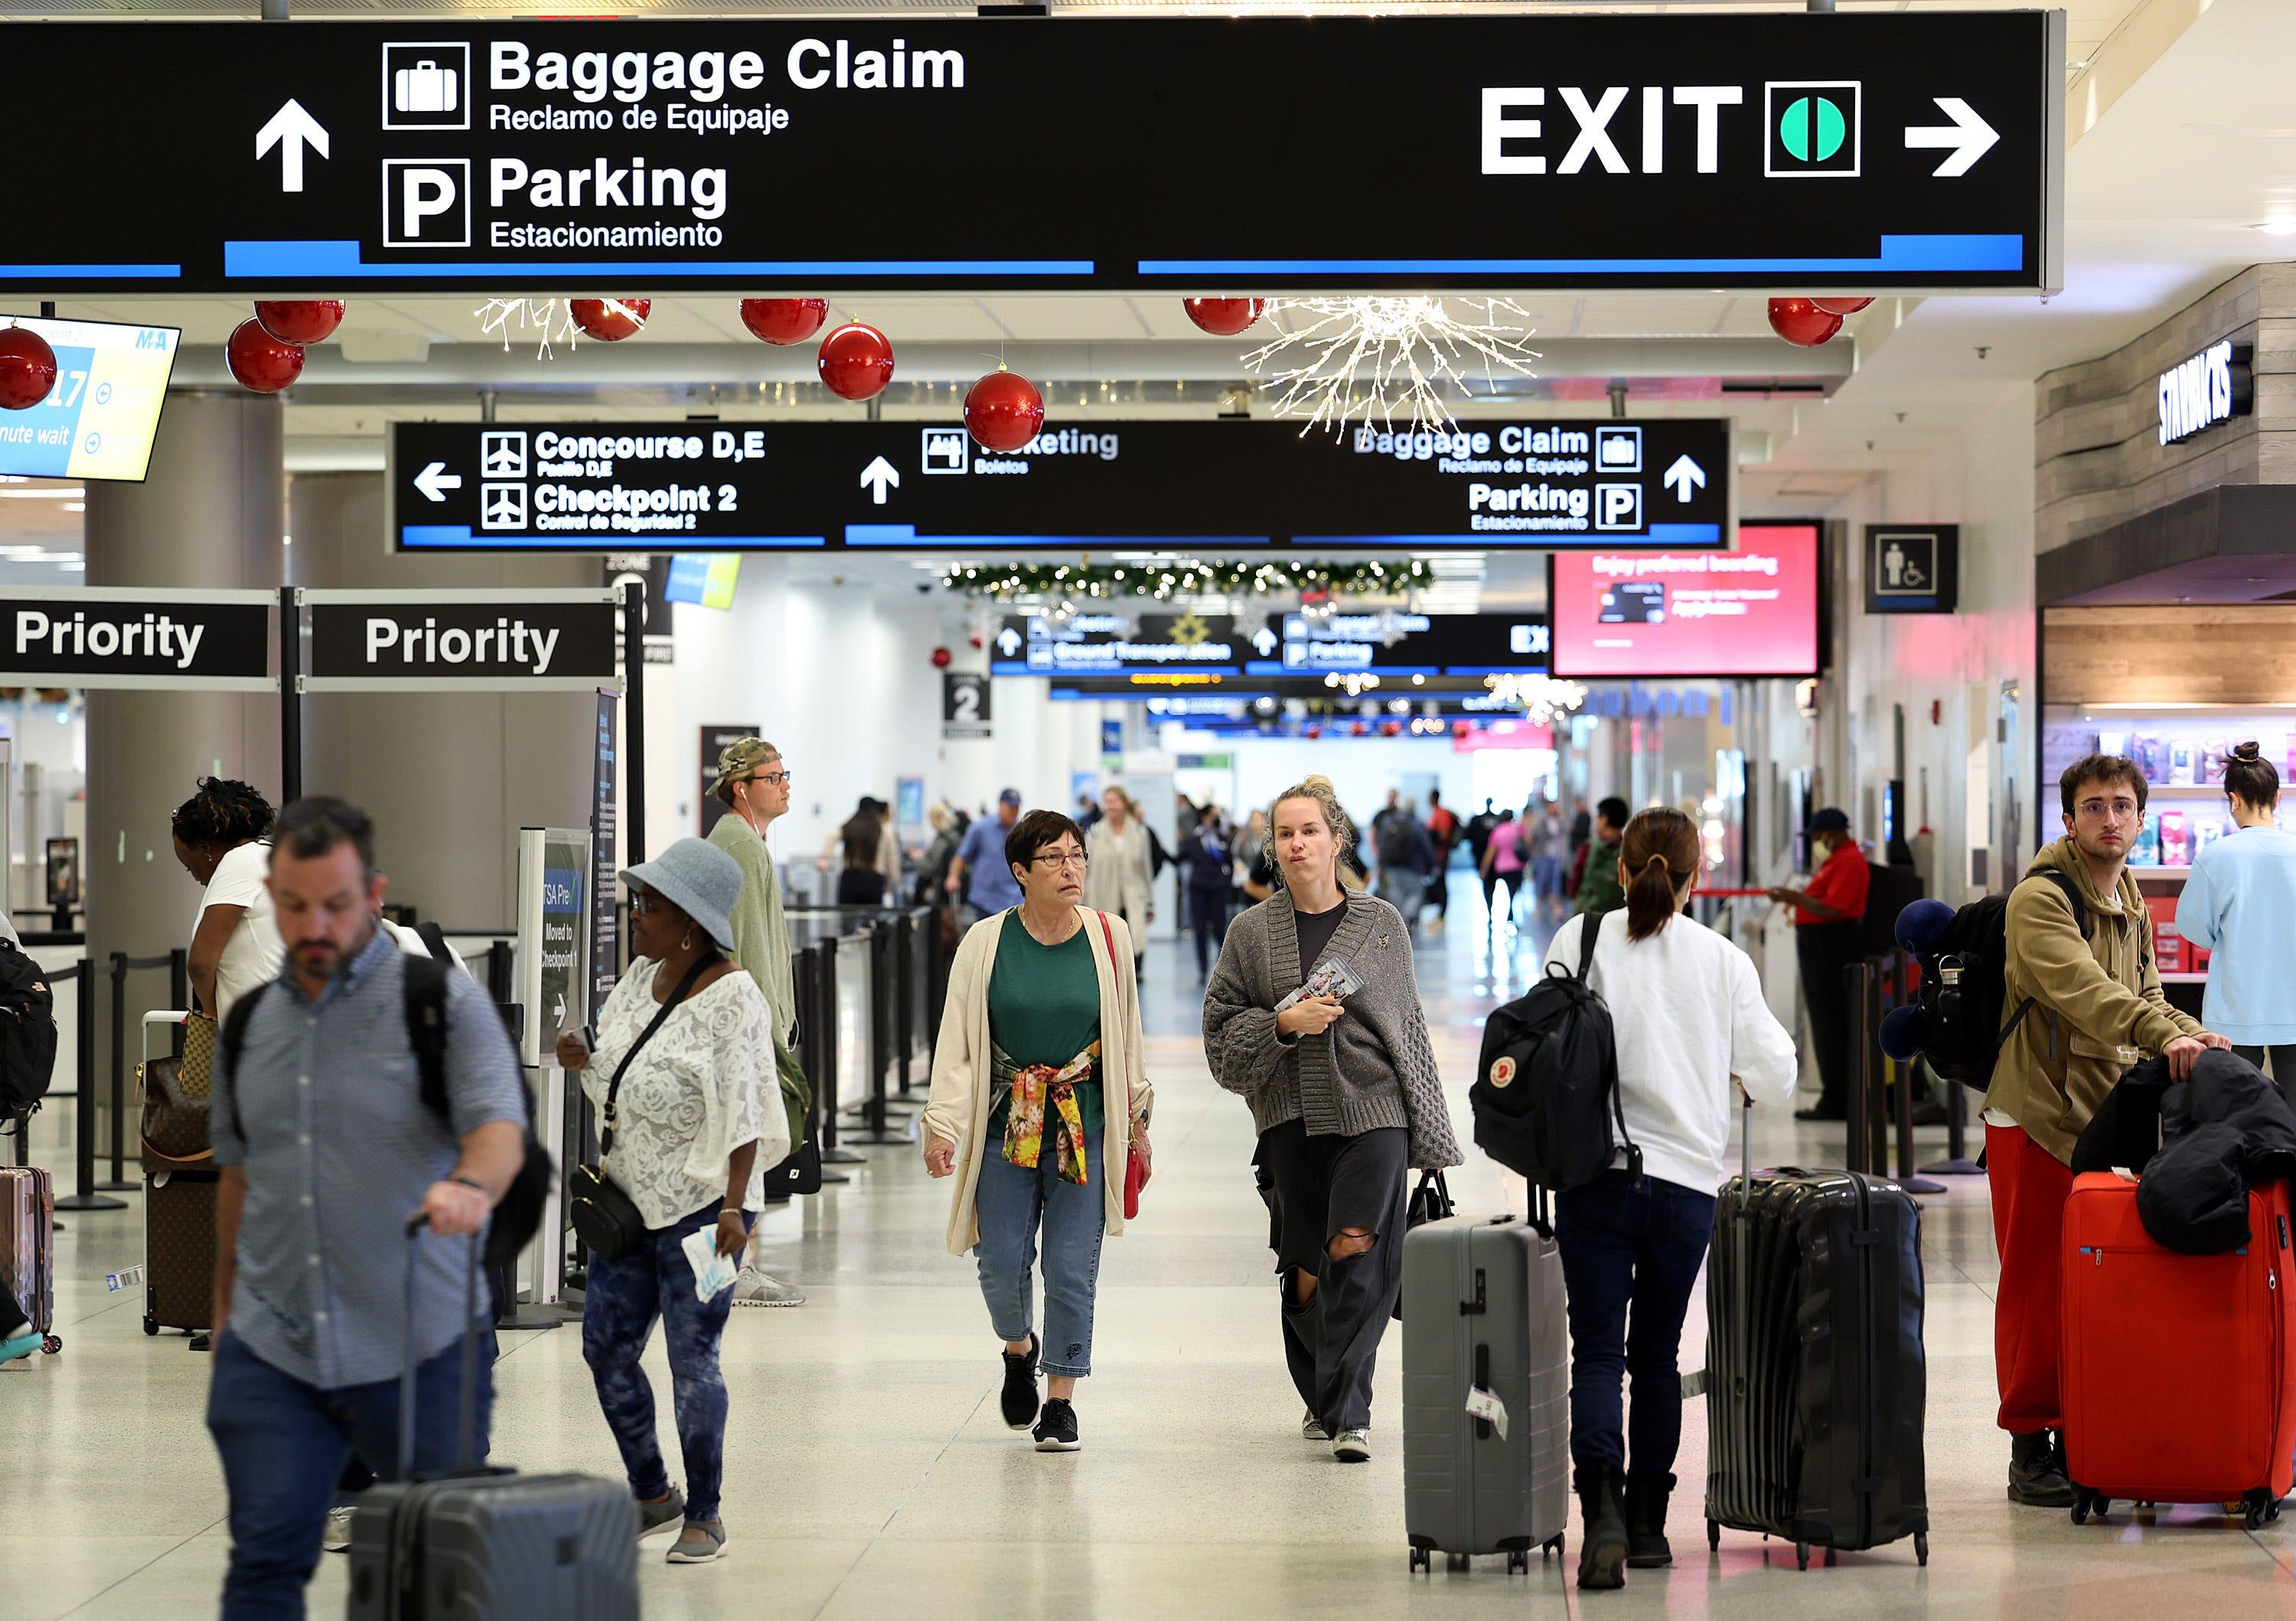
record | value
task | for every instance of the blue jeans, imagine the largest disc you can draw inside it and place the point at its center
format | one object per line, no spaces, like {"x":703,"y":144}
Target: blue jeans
{"x":1011,"y":1204}
{"x":1629,"y":1247}
{"x":625,"y":1296}
{"x":283,"y":1444}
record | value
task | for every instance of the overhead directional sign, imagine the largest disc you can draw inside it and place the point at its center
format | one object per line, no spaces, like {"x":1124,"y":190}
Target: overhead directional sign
{"x":1400,"y":645}
{"x":1851,"y":153}
{"x":1529,"y":482}
{"x":1113,"y":644}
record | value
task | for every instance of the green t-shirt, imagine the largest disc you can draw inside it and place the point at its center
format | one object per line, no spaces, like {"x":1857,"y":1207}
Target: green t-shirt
{"x":1044,"y":1008}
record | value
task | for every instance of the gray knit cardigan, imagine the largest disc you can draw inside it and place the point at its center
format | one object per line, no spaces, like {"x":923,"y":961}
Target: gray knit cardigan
{"x":1372,"y":1068}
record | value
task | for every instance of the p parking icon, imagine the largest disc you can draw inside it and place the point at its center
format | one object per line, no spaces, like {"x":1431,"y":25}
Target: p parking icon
{"x":426,"y":203}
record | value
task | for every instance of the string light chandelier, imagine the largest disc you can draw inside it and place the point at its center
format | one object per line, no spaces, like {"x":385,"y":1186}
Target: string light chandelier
{"x":1542,"y":698}
{"x":1389,"y":358}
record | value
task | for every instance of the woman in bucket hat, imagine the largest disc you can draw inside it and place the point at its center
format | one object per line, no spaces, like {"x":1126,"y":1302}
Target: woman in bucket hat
{"x":680,"y":1045}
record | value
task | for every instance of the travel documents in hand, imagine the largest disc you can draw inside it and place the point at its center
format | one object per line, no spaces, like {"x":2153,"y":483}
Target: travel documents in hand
{"x":1330,"y":978}
{"x":713,"y":1273}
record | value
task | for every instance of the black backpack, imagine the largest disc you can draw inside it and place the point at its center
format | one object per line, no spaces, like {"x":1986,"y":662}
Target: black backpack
{"x":1395,"y":841}
{"x":1546,"y":1094}
{"x":27,"y":1032}
{"x":519,"y":1216}
{"x":1963,"y":992}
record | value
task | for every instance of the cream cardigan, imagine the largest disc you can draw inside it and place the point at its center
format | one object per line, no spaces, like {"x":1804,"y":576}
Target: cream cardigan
{"x":963,"y":1089}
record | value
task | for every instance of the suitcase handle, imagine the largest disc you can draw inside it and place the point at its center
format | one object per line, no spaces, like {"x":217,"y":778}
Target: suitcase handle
{"x":467,"y":1437}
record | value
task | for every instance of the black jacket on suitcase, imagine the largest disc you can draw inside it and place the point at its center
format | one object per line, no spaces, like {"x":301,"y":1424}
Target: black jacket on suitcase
{"x":1817,"y":1380}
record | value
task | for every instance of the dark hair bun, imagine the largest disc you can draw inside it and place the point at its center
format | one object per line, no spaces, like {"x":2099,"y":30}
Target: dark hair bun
{"x":2248,"y":751}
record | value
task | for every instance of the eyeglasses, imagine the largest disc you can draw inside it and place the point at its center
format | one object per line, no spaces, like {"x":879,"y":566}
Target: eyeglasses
{"x":1057,"y":859}
{"x":2108,"y":810}
{"x":777,"y":778}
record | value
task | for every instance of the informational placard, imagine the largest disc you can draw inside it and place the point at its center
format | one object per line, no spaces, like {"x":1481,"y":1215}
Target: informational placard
{"x":605,"y":778}
{"x":1750,"y":612}
{"x":964,"y":706}
{"x":461,"y":641}
{"x":103,"y":637}
{"x":1912,"y":568}
{"x":1402,"y":645}
{"x":99,"y":420}
{"x":555,"y":929}
{"x":706,"y":580}
{"x":715,"y":740}
{"x":1116,"y":644}
{"x":1535,"y":482}
{"x":1859,"y":153}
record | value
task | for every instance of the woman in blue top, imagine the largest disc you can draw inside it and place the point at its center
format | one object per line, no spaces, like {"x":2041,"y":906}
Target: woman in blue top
{"x":2240,"y":903}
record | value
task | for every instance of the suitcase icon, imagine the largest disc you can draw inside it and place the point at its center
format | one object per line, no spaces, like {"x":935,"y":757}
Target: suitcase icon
{"x":425,"y":87}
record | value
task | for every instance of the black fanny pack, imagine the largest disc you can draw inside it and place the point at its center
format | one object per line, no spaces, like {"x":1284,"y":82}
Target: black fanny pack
{"x":605,"y":1218}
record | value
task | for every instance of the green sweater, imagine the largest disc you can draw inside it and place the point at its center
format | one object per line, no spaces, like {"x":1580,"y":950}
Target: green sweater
{"x":1044,"y":1008}
{"x":1599,"y":889}
{"x":761,"y":942}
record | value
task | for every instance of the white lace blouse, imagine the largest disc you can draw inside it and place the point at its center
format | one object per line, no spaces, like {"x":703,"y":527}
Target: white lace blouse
{"x":694,"y":1095}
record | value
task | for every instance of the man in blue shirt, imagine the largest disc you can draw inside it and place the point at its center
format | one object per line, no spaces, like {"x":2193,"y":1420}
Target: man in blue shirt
{"x":981,"y":872}
{"x":327,"y":1147}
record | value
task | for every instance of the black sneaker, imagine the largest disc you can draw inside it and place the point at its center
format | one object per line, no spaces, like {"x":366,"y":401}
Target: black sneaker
{"x":2036,"y":1476}
{"x":1020,"y":1398}
{"x":1056,"y":1432}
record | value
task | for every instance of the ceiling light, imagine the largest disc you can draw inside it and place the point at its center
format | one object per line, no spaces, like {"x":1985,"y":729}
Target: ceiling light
{"x":67,"y":494}
{"x":75,"y":506}
{"x":2280,"y":225}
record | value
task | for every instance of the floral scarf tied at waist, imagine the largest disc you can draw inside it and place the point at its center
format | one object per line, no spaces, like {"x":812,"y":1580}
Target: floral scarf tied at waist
{"x":1043,"y":1095}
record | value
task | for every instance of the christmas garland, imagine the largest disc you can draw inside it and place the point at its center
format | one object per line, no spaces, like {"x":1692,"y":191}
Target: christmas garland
{"x":1370,"y":577}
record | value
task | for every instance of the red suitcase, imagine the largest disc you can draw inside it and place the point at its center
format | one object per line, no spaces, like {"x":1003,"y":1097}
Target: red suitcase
{"x":2138,"y":1321}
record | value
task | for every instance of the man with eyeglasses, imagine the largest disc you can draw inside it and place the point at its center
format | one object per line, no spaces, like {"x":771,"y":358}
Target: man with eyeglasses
{"x":753,"y":784}
{"x":2079,"y":950}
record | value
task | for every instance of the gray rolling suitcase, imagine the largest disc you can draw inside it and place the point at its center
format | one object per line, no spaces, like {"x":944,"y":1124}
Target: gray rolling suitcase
{"x":489,"y":1544}
{"x":1483,"y":1311}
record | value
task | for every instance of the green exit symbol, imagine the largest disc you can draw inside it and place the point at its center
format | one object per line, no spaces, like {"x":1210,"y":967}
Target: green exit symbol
{"x":1813,"y":131}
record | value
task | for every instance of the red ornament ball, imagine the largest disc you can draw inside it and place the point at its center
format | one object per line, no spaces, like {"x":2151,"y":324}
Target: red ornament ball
{"x":977,"y":643}
{"x":1224,"y":317}
{"x":857,"y":362}
{"x":1842,"y":307}
{"x":28,"y":369}
{"x":261,"y":362}
{"x":783,"y":321}
{"x":1003,"y":412}
{"x":1800,"y":322}
{"x":610,"y":320}
{"x":941,"y":658}
{"x":300,"y":320}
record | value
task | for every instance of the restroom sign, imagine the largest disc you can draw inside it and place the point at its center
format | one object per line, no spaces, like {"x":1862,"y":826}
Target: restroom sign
{"x":1912,"y":567}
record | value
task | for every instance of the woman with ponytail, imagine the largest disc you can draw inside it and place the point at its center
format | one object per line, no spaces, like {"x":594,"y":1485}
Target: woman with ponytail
{"x":1687,"y":1010}
{"x":2240,"y":903}
{"x":220,"y":838}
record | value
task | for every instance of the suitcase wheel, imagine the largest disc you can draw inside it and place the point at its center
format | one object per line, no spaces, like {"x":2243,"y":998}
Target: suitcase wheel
{"x":1801,"y":1556}
{"x":2259,"y":1505}
{"x":1519,"y":1560}
{"x":150,"y":1325}
{"x":1553,"y":1547}
{"x":1922,"y":1549}
{"x":1713,"y":1537}
{"x":1419,"y":1561}
{"x":51,"y":1344}
{"x":2084,"y":1501}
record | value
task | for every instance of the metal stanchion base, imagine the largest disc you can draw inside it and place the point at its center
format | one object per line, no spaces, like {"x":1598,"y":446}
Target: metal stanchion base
{"x":1919,"y":1184}
{"x":90,"y":1201}
{"x":114,"y":1185}
{"x":830,"y":1177}
{"x":861,"y":1110}
{"x":524,"y":1317}
{"x":883,"y":1140}
{"x":838,"y":1156}
{"x":1954,"y":1168}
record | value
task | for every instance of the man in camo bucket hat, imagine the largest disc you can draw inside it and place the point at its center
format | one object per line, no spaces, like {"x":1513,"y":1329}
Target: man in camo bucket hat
{"x":753,"y":785}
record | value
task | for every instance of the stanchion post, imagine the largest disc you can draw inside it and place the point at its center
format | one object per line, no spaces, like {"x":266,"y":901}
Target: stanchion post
{"x":905,"y":999}
{"x":1854,"y":976}
{"x":84,"y":1196}
{"x":119,"y":977}
{"x":876,"y":1112}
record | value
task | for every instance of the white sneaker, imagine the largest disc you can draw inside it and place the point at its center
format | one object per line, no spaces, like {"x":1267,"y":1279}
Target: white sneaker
{"x":754,"y":1287}
{"x":1311,"y":1428}
{"x":1352,"y":1445}
{"x":337,"y":1538}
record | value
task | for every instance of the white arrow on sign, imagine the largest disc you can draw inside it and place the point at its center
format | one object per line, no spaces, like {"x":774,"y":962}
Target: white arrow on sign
{"x":1008,"y":643}
{"x":1264,"y":639}
{"x":879,"y":477}
{"x":1966,"y":139}
{"x":559,"y":1017}
{"x":435,"y":481}
{"x":1683,"y":477}
{"x":290,"y":130}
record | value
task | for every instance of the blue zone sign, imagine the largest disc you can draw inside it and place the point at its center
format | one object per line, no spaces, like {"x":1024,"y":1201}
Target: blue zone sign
{"x":1858,"y":153}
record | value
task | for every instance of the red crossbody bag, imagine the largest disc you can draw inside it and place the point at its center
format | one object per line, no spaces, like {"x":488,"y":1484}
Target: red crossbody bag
{"x":1135,"y":1172}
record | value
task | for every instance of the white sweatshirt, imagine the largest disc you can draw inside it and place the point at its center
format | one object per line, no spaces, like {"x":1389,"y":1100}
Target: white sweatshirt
{"x":1687,"y":1011}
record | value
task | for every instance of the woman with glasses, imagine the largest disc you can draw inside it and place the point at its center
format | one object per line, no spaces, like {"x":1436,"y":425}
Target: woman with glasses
{"x":1040,"y":1104}
{"x":683,"y":1043}
{"x":1123,"y":879}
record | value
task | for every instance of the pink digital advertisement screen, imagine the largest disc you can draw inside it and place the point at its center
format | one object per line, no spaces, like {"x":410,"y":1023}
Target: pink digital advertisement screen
{"x":1751,"y":611}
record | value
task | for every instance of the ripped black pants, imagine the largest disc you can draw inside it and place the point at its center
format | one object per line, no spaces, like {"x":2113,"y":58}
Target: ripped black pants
{"x":1327,"y":1187}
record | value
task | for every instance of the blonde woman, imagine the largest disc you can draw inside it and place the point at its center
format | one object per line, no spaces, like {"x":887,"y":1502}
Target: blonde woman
{"x":1123,"y":876}
{"x":1345,"y":1095}
{"x":1039,"y":1105}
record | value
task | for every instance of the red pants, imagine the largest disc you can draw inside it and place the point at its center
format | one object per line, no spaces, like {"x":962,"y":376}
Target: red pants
{"x":2030,"y":1190}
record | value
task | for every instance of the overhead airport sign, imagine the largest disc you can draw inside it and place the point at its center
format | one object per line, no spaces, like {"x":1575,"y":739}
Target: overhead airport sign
{"x":1912,"y":568}
{"x":461,"y":641}
{"x":101,"y":638}
{"x":1400,"y":645}
{"x":1858,"y":153}
{"x":1112,"y":645}
{"x":1534,"y":482}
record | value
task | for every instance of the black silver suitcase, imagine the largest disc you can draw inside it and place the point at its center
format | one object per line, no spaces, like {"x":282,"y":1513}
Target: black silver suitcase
{"x":1483,"y":1320}
{"x":489,"y":1544}
{"x":1815,"y":1380}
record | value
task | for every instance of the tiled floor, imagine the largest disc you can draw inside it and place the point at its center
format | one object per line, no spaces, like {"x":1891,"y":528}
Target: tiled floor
{"x":870,"y":1476}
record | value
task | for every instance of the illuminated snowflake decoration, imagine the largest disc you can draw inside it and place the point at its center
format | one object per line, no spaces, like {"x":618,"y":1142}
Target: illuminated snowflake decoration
{"x":1541,"y":698}
{"x":1384,"y":359}
{"x":551,"y":321}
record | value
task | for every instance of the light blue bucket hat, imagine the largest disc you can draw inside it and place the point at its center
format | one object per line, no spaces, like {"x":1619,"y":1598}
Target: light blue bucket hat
{"x":699,"y":880}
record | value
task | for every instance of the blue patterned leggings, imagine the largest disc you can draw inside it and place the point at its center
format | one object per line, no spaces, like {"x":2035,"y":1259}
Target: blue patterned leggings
{"x":618,"y":1317}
